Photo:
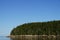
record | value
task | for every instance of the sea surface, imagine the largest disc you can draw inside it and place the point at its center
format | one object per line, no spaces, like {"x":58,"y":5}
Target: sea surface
{"x":4,"y":38}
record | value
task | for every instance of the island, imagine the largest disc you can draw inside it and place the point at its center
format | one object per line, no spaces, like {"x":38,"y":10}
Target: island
{"x":37,"y":29}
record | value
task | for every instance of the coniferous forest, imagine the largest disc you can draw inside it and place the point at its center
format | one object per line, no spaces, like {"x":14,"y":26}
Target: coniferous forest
{"x":38,"y":28}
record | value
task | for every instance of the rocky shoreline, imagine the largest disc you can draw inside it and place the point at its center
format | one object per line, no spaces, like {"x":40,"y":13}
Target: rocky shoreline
{"x":35,"y":37}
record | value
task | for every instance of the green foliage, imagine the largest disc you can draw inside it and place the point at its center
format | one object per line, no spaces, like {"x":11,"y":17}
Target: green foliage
{"x":38,"y":28}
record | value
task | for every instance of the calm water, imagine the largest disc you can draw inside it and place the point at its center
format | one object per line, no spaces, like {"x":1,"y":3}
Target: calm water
{"x":4,"y":38}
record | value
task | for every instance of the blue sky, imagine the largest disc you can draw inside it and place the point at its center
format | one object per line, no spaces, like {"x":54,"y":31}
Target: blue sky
{"x":17,"y":12}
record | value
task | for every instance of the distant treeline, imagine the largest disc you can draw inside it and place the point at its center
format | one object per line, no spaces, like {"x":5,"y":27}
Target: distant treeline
{"x":38,"y":28}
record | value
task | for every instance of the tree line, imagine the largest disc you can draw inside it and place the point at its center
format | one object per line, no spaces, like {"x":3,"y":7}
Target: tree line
{"x":38,"y":28}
